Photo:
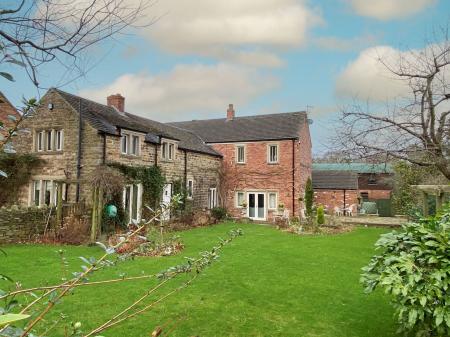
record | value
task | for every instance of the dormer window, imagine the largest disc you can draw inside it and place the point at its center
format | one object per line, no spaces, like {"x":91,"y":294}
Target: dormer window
{"x":168,"y":150}
{"x":130,"y":144}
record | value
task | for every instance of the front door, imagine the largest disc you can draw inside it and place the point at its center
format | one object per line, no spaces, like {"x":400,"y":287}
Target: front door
{"x":166,"y":198}
{"x":256,"y":202}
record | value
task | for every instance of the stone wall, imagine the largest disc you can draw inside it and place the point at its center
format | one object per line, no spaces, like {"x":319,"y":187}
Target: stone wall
{"x":21,"y":224}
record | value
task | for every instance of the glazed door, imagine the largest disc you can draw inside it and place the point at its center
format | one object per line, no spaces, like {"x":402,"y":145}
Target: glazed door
{"x":256,"y":202}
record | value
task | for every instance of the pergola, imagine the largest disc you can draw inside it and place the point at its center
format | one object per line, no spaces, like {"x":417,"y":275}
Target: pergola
{"x":439,"y":191}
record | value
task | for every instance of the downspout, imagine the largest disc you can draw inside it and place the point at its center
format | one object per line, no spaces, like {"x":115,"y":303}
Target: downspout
{"x":293,"y":177}
{"x":345,"y":201}
{"x":104,"y":149}
{"x":80,"y":125}
{"x":185,"y":168}
{"x":156,"y":155}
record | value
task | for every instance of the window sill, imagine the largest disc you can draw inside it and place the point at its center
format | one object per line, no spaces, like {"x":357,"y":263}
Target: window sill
{"x":164,"y":160}
{"x":241,"y":163}
{"x":49,"y":152}
{"x":275,"y":163}
{"x":130,"y":156}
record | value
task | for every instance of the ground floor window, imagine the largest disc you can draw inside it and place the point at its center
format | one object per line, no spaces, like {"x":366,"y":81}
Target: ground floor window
{"x":132,"y":201}
{"x":45,"y":192}
{"x":240,"y":199}
{"x":190,"y":188}
{"x":272,"y":200}
{"x":212,"y":198}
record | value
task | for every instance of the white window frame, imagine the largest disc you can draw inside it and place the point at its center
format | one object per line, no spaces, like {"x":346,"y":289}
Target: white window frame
{"x":135,"y":147}
{"x":40,"y":141}
{"x":243,"y":147}
{"x":59,"y":140}
{"x":190,"y":188}
{"x":127,"y":144}
{"x":49,"y":140}
{"x":130,"y":206}
{"x":244,"y":199}
{"x":212,"y":198}
{"x":269,"y":159}
{"x":268,"y":200}
{"x":168,"y":150}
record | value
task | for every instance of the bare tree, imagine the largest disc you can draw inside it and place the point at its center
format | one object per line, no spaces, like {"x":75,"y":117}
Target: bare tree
{"x":37,"y":32}
{"x":416,"y":127}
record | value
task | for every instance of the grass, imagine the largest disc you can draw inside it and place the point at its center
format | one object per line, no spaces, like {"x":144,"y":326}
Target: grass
{"x":266,"y":283}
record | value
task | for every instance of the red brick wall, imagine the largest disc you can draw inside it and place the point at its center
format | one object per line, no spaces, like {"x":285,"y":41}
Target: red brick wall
{"x":377,"y":194}
{"x":6,"y":109}
{"x":335,"y":198}
{"x":257,"y":175}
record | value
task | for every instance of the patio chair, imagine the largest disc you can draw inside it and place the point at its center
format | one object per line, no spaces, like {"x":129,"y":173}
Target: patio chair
{"x":302,"y":213}
{"x":338,"y":211}
{"x":351,"y":210}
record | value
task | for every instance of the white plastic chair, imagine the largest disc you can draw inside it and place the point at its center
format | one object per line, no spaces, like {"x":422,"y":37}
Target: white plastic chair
{"x":337,"y":211}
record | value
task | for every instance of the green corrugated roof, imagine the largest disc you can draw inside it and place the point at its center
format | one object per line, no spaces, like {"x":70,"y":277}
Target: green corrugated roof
{"x":356,"y":167}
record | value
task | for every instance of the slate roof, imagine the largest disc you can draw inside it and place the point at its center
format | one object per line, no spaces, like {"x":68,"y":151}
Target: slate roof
{"x":335,"y":180}
{"x":250,"y":128}
{"x":107,"y":119}
{"x":355,"y":167}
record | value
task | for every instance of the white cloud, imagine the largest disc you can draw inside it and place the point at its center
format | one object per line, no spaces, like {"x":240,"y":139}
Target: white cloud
{"x":226,"y":29}
{"x":389,"y":9}
{"x":338,"y":44}
{"x":186,"y":92}
{"x":367,"y":78}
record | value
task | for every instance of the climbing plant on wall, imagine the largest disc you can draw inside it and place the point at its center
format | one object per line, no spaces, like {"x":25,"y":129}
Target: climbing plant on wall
{"x":18,"y":168}
{"x":150,"y":177}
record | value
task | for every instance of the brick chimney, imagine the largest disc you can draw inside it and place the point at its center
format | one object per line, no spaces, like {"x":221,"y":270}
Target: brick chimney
{"x":230,"y":112}
{"x":117,"y":101}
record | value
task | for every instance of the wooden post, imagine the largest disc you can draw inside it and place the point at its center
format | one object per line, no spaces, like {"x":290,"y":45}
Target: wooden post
{"x":99,"y":211}
{"x":425,"y":203}
{"x":439,"y":200}
{"x":59,"y":203}
{"x":94,"y":214}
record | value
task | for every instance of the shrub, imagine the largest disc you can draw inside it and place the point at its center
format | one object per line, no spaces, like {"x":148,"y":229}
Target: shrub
{"x":320,"y":215}
{"x":414,"y":268}
{"x":219,"y":213}
{"x":309,"y":197}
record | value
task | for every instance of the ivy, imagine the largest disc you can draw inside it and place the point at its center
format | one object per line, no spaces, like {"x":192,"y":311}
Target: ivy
{"x":150,"y":177}
{"x":18,"y":168}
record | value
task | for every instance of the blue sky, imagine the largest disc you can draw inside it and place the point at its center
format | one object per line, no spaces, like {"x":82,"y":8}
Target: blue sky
{"x":265,"y":56}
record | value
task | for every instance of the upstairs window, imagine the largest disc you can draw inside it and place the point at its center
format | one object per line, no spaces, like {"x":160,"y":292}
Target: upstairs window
{"x":240,"y":154}
{"x":125,"y":142}
{"x":130,"y":144}
{"x":272,"y":154}
{"x":59,"y":140}
{"x":168,"y":150}
{"x":49,"y":140}
{"x":135,"y":145}
{"x":40,"y":141}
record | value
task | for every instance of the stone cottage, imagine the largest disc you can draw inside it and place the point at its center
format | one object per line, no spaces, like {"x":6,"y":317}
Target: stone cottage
{"x":74,"y":136}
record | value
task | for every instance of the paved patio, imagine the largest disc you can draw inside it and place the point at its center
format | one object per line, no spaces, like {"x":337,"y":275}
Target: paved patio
{"x":373,"y":220}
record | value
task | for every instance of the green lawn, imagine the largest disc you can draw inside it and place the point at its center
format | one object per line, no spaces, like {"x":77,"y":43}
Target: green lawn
{"x":266,"y":283}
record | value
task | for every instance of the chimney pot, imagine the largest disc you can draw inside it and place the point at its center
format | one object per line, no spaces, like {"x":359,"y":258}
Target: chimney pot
{"x":230,"y":112}
{"x":117,"y":101}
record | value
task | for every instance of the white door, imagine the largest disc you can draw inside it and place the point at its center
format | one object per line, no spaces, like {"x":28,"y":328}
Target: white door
{"x":256,"y":202}
{"x":212,"y":198}
{"x":166,"y":198}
